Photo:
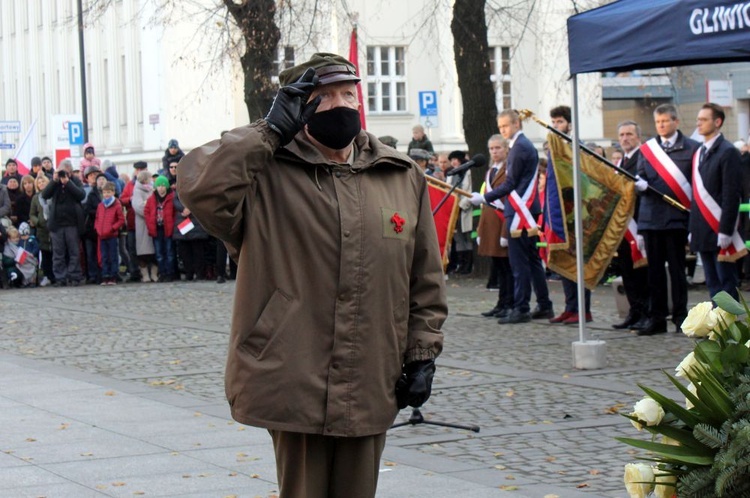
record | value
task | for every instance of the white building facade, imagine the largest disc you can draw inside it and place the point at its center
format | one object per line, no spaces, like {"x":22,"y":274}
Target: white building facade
{"x":158,"y":70}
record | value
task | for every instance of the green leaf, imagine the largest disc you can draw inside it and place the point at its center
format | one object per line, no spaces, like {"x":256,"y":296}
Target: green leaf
{"x":734,"y":354}
{"x":726,"y":302}
{"x":688,"y":418}
{"x":709,"y":352}
{"x":684,"y":437}
{"x":679,"y":453}
{"x":698,"y":403}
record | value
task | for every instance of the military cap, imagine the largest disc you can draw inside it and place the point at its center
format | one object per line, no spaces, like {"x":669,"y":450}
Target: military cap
{"x":419,"y":154}
{"x":330,"y":68}
{"x":388,"y":140}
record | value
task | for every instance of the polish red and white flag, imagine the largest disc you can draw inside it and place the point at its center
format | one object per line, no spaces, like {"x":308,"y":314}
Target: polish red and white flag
{"x":185,"y":226}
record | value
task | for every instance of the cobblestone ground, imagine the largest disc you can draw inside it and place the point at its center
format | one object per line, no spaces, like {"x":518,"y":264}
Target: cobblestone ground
{"x":541,"y":420}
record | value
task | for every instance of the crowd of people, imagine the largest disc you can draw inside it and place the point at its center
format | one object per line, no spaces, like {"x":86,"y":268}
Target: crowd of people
{"x":87,"y":224}
{"x":659,"y":252}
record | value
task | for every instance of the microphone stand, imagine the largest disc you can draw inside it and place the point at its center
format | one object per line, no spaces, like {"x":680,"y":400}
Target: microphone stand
{"x":450,"y":192}
{"x":417,"y":418}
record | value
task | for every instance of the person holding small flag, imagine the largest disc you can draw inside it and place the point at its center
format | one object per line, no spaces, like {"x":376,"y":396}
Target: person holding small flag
{"x":190,"y":238}
{"x":19,"y":264}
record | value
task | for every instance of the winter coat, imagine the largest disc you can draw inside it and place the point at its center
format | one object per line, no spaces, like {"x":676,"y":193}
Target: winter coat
{"x":23,"y":207}
{"x":491,"y":227}
{"x":466,"y":220}
{"x":423,"y":144}
{"x":654,"y":213}
{"x":339,"y":277}
{"x":721,"y":176}
{"x":144,"y":244}
{"x":197,"y":233}
{"x":125,"y":198}
{"x":90,"y":205}
{"x":112,"y":176}
{"x":169,"y":159}
{"x":109,"y":220}
{"x":4,"y":202}
{"x":39,"y":221}
{"x":65,"y":204}
{"x":151,"y":210}
{"x":94,"y":161}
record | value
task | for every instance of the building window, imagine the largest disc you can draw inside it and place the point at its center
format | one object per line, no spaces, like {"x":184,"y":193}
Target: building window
{"x":284,"y":60}
{"x":500,"y":76}
{"x":386,"y":79}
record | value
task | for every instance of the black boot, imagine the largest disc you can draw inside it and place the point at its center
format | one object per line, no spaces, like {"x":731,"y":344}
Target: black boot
{"x":467,"y":262}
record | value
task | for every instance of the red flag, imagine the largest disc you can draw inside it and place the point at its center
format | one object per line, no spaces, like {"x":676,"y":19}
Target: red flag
{"x":21,"y":256}
{"x":354,"y":59}
{"x":446,"y":217}
{"x":27,"y":150}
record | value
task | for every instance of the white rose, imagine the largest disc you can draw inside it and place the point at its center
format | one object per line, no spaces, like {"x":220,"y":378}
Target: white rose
{"x":637,"y":479}
{"x":686,"y":365}
{"x":648,"y":411}
{"x":662,"y":490}
{"x":700,"y":320}
{"x":694,"y":390}
{"x":724,"y":318}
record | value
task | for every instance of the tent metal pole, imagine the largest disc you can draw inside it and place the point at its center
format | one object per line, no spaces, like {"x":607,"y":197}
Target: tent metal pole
{"x":576,"y":146}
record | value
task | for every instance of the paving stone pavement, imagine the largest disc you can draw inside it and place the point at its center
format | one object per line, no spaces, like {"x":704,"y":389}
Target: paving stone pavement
{"x":546,"y":429}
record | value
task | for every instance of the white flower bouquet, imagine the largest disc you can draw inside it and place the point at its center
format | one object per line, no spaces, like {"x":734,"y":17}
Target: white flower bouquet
{"x":704,"y":448}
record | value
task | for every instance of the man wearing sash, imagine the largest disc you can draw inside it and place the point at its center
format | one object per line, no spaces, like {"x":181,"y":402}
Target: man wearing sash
{"x":665,"y":165}
{"x":521,"y":211}
{"x":716,"y":198}
{"x":629,"y":255}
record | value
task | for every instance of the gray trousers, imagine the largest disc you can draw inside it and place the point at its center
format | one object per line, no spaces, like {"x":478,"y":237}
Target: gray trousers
{"x":66,"y":261}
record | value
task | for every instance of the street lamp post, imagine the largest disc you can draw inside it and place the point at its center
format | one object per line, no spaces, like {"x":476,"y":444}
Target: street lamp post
{"x":82,"y":56}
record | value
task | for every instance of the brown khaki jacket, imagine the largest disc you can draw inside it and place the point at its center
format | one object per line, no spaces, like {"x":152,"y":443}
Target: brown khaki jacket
{"x":339,"y":278}
{"x":491,"y":227}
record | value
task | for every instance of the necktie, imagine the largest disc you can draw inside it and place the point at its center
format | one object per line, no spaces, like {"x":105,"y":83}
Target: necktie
{"x":666,"y":145}
{"x":702,"y":155}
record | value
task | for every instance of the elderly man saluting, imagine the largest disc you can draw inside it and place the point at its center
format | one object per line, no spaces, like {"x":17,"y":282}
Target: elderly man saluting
{"x":340,"y":294}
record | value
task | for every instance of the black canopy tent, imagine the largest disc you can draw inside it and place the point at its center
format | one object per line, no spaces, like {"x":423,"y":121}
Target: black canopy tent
{"x":640,"y":34}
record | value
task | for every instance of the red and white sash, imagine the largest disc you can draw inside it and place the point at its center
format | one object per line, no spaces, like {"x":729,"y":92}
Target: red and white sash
{"x":631,"y":235}
{"x":497,"y":204}
{"x":668,"y":171}
{"x":711,"y":212}
{"x":521,"y":204}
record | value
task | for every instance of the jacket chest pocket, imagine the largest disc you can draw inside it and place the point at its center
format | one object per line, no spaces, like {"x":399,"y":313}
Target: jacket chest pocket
{"x":397,"y":224}
{"x":271,"y":319}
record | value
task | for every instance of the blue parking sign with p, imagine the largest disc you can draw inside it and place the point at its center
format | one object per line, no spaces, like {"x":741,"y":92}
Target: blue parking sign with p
{"x":75,"y":133}
{"x":428,"y":104}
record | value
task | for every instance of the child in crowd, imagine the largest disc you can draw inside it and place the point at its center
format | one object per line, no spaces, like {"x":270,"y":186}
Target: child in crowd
{"x":18,"y":264}
{"x":159,"y":215}
{"x":109,"y":221}
{"x":96,"y":181}
{"x":30,"y":266}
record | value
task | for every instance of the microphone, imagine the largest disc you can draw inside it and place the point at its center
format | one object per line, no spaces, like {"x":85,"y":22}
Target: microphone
{"x":477,"y":161}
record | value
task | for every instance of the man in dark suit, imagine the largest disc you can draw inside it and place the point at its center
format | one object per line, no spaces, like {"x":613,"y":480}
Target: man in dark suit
{"x":635,"y":280}
{"x":716,"y":198}
{"x":521,"y":209}
{"x":665,"y":164}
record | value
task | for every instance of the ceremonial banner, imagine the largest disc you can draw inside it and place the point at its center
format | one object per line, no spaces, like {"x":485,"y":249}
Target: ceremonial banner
{"x":354,"y":59}
{"x":608,"y":202}
{"x":446,"y":217}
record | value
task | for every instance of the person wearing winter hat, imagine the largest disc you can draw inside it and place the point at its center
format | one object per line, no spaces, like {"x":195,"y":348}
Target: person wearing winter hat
{"x":126,"y":198}
{"x":89,"y":157}
{"x":36,"y":166}
{"x":173,"y":154}
{"x":159,"y":215}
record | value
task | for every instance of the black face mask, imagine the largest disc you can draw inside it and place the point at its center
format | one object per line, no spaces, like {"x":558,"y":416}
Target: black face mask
{"x":335,"y":128}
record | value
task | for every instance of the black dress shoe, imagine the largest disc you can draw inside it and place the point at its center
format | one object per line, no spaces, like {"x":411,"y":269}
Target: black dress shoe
{"x":503,"y":312}
{"x":516,"y":316}
{"x":653,"y":327}
{"x":629,"y":320}
{"x":492,"y":312}
{"x":542,"y":313}
{"x":641,"y":324}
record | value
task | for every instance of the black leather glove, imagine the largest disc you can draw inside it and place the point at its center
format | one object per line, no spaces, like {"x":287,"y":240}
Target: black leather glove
{"x":414,"y":386}
{"x":290,"y":110}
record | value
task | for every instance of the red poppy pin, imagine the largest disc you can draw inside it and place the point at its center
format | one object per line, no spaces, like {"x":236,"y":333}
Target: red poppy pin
{"x":398,"y":223}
